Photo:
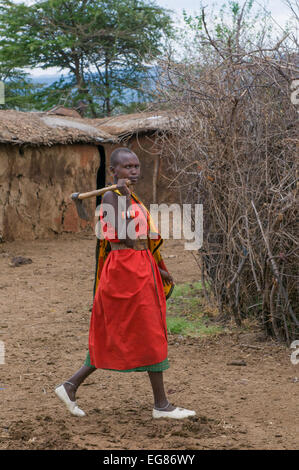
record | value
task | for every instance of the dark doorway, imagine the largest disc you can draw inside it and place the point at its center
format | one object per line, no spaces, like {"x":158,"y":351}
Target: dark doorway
{"x":101,"y":174}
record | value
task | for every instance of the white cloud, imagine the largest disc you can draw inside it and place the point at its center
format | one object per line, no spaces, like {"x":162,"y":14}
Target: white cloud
{"x":278,"y":9}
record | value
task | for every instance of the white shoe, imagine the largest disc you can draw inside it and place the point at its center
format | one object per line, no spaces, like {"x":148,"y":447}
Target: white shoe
{"x":177,"y":413}
{"x":71,"y":405}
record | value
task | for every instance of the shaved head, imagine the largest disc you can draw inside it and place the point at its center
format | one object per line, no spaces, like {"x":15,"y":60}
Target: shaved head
{"x":117,"y":154}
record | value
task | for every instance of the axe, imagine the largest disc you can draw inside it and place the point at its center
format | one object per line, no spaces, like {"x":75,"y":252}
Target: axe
{"x":78,"y":198}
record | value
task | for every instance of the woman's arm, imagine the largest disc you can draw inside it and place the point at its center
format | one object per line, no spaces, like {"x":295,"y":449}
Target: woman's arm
{"x":166,"y":276}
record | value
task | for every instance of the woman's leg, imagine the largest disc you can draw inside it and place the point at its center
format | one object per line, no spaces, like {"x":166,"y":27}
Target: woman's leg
{"x":160,"y":399}
{"x":72,"y":384}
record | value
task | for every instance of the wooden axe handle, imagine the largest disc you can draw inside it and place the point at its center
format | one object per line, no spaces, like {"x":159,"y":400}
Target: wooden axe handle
{"x":99,"y":192}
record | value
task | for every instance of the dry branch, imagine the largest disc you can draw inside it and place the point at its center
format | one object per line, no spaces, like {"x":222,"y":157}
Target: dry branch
{"x":234,"y":142}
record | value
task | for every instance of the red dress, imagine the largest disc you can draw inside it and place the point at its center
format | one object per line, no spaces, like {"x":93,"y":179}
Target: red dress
{"x":128,"y":322}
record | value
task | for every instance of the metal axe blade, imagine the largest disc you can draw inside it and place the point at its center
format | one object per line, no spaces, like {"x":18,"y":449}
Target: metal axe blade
{"x":80,"y":208}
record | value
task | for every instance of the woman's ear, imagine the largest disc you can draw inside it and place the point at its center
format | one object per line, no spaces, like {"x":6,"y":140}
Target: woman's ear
{"x":112,"y":171}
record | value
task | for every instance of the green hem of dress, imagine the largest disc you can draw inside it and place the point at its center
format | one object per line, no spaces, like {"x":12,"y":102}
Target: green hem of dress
{"x":159,"y":367}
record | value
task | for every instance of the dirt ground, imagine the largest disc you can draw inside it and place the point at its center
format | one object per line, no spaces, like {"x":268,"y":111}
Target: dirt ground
{"x":45,"y":310}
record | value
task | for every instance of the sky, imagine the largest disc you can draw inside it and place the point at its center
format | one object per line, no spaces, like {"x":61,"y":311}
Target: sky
{"x":278,"y":9}
{"x":279,"y":12}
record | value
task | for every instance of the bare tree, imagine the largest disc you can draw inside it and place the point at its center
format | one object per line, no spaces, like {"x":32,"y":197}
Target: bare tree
{"x":234,"y":148}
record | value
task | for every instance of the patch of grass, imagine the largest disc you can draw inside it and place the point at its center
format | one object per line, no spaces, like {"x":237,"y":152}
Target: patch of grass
{"x":188,"y":313}
{"x":195,"y":328}
{"x":187,"y":289}
{"x":188,"y":300}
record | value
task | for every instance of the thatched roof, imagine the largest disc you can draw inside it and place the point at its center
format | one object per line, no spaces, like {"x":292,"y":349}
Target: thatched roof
{"x":46,"y":128}
{"x":62,"y":111}
{"x":129,"y":124}
{"x":42,"y":129}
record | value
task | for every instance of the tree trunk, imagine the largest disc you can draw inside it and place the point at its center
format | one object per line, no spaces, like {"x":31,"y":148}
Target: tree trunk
{"x":82,"y":88}
{"x":107,"y":97}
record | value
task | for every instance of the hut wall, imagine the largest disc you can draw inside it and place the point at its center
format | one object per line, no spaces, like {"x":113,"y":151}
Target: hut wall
{"x":36,"y":184}
{"x":35,"y":188}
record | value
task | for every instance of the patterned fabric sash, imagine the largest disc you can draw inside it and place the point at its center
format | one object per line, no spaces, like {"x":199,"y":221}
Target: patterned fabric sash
{"x":155,"y":242}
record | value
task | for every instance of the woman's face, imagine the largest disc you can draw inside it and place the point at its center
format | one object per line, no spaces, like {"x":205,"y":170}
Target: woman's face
{"x":128,"y":167}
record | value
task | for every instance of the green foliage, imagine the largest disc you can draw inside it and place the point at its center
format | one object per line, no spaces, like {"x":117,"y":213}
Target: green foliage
{"x":233,"y":15}
{"x":103,"y":44}
{"x":61,"y":92}
{"x":188,"y":314}
{"x":236,"y":24}
{"x":194,"y":22}
{"x":184,"y":327}
{"x":19,"y":91}
{"x":186,"y":299}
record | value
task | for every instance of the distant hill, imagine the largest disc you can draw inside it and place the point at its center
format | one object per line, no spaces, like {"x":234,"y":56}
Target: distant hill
{"x":45,"y":79}
{"x":129,"y":95}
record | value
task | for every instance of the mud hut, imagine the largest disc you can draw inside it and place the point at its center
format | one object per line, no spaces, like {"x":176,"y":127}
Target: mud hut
{"x":44,"y":157}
